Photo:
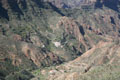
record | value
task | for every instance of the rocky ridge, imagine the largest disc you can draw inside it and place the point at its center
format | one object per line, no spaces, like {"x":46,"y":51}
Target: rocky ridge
{"x":105,"y":55}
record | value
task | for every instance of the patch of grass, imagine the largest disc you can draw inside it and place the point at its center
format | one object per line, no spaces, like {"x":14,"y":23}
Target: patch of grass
{"x":37,"y":73}
{"x":23,"y":31}
{"x":22,"y":75}
{"x":105,"y":72}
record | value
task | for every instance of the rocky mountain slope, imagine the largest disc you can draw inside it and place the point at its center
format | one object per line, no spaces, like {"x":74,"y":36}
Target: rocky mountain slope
{"x":22,"y":45}
{"x":36,"y":34}
{"x":113,"y":4}
{"x":101,"y":62}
